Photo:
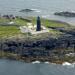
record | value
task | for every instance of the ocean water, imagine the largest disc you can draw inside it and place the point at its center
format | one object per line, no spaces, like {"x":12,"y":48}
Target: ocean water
{"x":43,"y":8}
{"x":8,"y":67}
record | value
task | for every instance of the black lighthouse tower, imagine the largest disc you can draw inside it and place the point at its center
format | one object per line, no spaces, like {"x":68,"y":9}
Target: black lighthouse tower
{"x":38,"y":28}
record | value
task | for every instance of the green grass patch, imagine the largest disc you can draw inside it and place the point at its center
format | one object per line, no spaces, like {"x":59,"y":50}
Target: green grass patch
{"x":3,"y":20}
{"x":16,"y":21}
{"x":9,"y":31}
{"x":20,"y":22}
{"x":6,"y":31}
{"x":50,"y":23}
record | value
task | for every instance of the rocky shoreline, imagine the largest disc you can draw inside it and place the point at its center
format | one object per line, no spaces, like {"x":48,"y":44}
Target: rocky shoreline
{"x":52,"y":50}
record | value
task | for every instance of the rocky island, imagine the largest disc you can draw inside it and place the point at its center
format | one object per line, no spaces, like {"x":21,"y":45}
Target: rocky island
{"x":65,"y":14}
{"x":57,"y":45}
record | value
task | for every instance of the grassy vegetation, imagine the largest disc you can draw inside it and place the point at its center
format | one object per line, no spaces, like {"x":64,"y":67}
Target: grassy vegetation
{"x":20,"y":22}
{"x":7,"y":31}
{"x":55,"y":32}
{"x":17,"y":21}
{"x":3,"y":20}
{"x":51,"y":23}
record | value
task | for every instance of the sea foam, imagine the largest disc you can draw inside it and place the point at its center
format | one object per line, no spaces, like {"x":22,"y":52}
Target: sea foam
{"x":67,"y":64}
{"x":46,"y":62}
{"x":36,"y":62}
{"x":36,"y":10}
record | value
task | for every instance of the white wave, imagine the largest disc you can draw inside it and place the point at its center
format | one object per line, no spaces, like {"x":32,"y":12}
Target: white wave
{"x":70,"y":65}
{"x":36,"y":10}
{"x":46,"y":62}
{"x":36,"y":62}
{"x":66,"y":63}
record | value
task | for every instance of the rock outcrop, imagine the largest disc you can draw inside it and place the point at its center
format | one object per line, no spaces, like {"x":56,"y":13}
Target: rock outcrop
{"x":65,"y":14}
{"x":26,"y":10}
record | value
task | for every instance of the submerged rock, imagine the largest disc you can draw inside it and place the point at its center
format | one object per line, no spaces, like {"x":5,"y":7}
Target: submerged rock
{"x":65,"y":13}
{"x":26,"y":10}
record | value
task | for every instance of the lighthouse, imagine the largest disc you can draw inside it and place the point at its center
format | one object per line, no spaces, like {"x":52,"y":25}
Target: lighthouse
{"x":38,"y":27}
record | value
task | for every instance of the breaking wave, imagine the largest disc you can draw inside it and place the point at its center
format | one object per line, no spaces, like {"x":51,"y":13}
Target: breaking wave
{"x":46,"y":62}
{"x":68,"y":65}
{"x":36,"y":62}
